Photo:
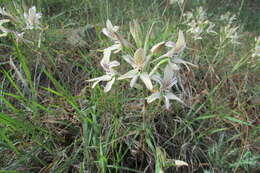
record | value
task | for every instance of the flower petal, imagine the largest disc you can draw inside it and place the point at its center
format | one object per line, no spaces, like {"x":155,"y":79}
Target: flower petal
{"x":167,"y":102}
{"x":106,"y":58}
{"x":170,"y":44}
{"x":108,"y":33}
{"x":180,"y":44}
{"x":153,"y":97}
{"x":133,"y":81}
{"x":158,"y":47}
{"x":32,"y":11}
{"x":172,"y":82}
{"x":130,"y":60}
{"x":38,"y":16}
{"x":118,"y":50}
{"x":113,"y":64}
{"x":172,"y":96}
{"x":146,"y":79}
{"x":180,"y":163}
{"x":109,"y":25}
{"x":115,"y":28}
{"x":180,"y":61}
{"x":174,"y":66}
{"x":115,"y":47}
{"x":129,"y":74}
{"x":101,"y":78}
{"x":119,"y":38}
{"x":109,"y":85}
{"x":95,"y":83}
{"x":157,"y":78}
{"x":32,"y":18}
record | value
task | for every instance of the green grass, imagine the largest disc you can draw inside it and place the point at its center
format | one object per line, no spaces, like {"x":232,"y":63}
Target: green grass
{"x":52,"y":121}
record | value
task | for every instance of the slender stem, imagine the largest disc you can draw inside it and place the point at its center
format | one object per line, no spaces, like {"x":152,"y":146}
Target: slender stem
{"x":144,"y":113}
{"x":182,"y":6}
{"x":241,"y":6}
{"x":157,"y":66}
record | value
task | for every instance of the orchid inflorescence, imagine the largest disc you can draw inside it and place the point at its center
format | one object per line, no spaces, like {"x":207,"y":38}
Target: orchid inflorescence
{"x":32,"y":18}
{"x":146,"y":64}
{"x":230,"y":30}
{"x":198,"y":23}
{"x":27,"y":21}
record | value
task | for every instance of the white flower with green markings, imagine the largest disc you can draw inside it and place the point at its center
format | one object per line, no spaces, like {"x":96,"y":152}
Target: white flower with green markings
{"x":174,"y":52}
{"x":112,"y":32}
{"x":165,"y":91}
{"x":175,"y":48}
{"x":110,"y":75}
{"x":138,"y":62}
{"x":198,"y":23}
{"x":32,"y":19}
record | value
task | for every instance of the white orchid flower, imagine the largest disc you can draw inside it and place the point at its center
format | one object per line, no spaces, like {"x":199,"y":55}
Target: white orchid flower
{"x":110,"y":75}
{"x":176,"y":49}
{"x":3,"y":29}
{"x":138,"y":63}
{"x":32,"y":19}
{"x":112,"y":32}
{"x":166,"y":83}
{"x":198,"y":23}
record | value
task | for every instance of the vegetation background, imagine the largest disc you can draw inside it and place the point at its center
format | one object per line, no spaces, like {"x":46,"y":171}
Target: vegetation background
{"x":52,"y":121}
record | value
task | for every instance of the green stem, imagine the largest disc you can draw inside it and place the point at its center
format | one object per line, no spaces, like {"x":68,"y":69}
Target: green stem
{"x":157,"y":66}
{"x":241,"y":6}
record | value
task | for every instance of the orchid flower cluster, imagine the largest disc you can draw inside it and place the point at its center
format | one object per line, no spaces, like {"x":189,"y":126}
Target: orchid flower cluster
{"x":29,"y":21}
{"x":198,"y":23}
{"x":229,"y":30}
{"x":32,"y":19}
{"x":145,"y":64}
